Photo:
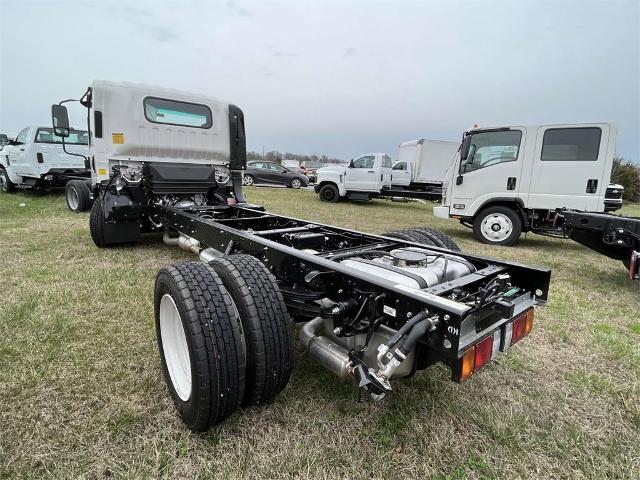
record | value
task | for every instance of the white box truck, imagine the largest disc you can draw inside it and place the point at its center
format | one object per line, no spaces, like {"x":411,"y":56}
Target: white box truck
{"x":509,"y":180}
{"x":422,"y":164}
{"x":37,"y":159}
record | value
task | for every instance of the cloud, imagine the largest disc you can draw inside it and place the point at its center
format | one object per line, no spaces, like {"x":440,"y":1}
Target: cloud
{"x":161,"y":33}
{"x":238,"y":10}
{"x":279,"y":54}
{"x":349,"y":52}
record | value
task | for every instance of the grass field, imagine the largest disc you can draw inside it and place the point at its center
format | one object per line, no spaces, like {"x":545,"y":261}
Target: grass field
{"x":82,"y":394}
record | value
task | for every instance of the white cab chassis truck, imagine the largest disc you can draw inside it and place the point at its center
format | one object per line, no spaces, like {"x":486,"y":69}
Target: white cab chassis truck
{"x":510,"y":180}
{"x":374,"y":308}
{"x":38,"y":159}
{"x":366,"y":177}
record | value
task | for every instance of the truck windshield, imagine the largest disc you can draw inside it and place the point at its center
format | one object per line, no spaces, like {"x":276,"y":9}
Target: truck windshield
{"x":491,"y":148}
{"x":76,"y":137}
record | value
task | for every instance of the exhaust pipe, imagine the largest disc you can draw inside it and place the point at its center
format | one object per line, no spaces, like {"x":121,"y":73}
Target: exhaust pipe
{"x":183,"y":241}
{"x":330,"y":355}
{"x":192,"y":245}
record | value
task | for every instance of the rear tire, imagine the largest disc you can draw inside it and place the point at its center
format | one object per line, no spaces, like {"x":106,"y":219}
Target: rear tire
{"x":6,"y":185}
{"x":411,"y":236}
{"x":329,"y":193}
{"x":497,"y":225}
{"x":200,"y":342}
{"x":439,"y":238}
{"x":78,"y":196}
{"x":265,"y":322}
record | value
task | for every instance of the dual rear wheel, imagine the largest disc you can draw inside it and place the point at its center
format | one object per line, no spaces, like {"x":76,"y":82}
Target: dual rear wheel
{"x":225,"y":337}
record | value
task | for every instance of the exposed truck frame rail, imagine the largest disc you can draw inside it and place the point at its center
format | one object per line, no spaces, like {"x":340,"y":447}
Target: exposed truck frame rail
{"x":374,"y":307}
{"x":615,"y":236}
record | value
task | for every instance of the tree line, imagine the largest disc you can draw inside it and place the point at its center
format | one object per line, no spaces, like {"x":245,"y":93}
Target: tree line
{"x":278,"y":157}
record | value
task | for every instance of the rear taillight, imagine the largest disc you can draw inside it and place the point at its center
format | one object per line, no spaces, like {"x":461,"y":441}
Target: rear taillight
{"x":522,"y":326}
{"x":482,"y":353}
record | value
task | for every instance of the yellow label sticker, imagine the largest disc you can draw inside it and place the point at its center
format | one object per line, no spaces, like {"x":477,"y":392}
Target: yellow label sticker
{"x":117,"y":138}
{"x":102,"y":171}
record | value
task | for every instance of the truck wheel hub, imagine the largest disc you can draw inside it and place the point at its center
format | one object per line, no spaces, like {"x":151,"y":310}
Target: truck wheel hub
{"x":175,"y":348}
{"x":72,"y":198}
{"x":496,"y":227}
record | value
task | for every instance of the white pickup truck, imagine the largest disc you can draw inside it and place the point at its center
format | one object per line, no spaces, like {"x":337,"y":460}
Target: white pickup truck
{"x":418,"y":173}
{"x":365,"y":177}
{"x":37,"y":159}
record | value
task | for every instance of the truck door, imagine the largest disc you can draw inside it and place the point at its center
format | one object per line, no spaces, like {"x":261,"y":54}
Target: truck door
{"x":18,"y":154}
{"x":364,"y":175}
{"x":490,"y":171}
{"x":568,"y":168}
{"x":401,"y":174}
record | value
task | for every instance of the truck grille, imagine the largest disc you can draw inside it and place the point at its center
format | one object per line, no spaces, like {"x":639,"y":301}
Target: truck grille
{"x":614,"y":193}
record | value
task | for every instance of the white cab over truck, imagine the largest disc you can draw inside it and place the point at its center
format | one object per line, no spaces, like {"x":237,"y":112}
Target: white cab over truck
{"x":365,"y":177}
{"x":509,"y":180}
{"x":36,"y":159}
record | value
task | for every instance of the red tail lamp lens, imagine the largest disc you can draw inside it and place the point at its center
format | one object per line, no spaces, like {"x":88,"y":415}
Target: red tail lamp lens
{"x":484,"y":352}
{"x":522,"y":326}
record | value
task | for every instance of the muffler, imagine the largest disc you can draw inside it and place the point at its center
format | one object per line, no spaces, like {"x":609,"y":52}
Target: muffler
{"x":329,"y":354}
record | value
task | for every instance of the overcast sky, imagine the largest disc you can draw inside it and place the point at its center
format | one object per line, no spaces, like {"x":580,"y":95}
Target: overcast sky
{"x":340,"y":78}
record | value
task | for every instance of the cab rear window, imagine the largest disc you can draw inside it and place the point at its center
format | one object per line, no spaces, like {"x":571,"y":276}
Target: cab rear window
{"x":174,"y":112}
{"x":76,"y":137}
{"x":571,"y":144}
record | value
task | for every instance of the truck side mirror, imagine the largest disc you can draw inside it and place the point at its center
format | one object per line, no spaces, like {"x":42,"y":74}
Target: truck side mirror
{"x":60,"y":119}
{"x":459,"y":179}
{"x":351,"y":164}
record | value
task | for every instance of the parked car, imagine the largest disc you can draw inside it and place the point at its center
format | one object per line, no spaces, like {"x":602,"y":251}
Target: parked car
{"x":272,"y":173}
{"x":310,"y":170}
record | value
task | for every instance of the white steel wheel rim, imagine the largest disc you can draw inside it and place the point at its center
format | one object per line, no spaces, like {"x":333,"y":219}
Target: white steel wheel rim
{"x":175,"y":348}
{"x":295,"y":183}
{"x":496,"y":227}
{"x":72,"y":198}
{"x":248,"y":180}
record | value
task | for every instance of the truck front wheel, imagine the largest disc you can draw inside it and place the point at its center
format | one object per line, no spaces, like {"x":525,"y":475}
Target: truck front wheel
{"x":329,"y":193}
{"x":6,"y":184}
{"x":497,"y":225}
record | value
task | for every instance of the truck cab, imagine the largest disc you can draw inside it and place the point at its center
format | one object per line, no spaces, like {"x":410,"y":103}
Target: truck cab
{"x":365,"y":177}
{"x":512,"y":179}
{"x":36,"y":158}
